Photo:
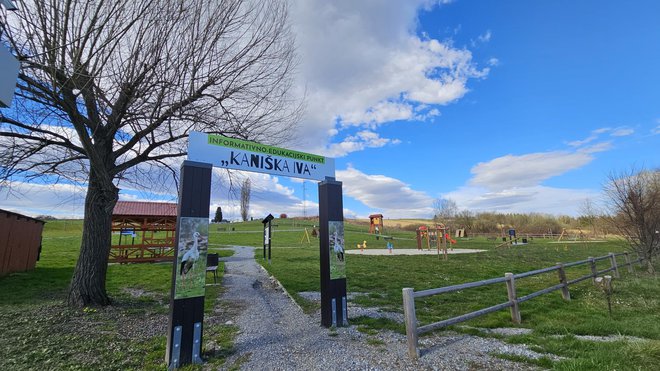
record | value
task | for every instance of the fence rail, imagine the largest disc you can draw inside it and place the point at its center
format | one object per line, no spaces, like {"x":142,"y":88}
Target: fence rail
{"x":409,"y":295}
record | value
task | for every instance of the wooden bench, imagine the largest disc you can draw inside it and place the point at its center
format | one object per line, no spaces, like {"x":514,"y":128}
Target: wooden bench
{"x":212,"y":265}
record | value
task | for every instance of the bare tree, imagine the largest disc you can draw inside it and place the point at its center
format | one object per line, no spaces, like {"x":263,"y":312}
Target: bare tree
{"x":245,"y":199}
{"x":465,"y":219}
{"x":589,"y":213}
{"x":634,"y":206}
{"x":444,"y":209}
{"x":109,"y":91}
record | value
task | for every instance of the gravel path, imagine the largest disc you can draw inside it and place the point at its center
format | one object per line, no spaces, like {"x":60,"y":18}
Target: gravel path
{"x":276,"y":335}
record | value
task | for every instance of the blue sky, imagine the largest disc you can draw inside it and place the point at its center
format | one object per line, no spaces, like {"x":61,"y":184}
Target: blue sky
{"x":509,"y":106}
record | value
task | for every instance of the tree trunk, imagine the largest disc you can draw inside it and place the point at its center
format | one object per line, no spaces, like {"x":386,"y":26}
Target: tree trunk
{"x":649,"y":265}
{"x":88,"y":282}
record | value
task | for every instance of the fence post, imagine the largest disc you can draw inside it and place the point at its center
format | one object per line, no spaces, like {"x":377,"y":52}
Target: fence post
{"x":513,"y":298}
{"x":411,"y":321}
{"x":614,"y":265}
{"x":565,"y":294}
{"x":630,"y":267}
{"x":594,"y":272}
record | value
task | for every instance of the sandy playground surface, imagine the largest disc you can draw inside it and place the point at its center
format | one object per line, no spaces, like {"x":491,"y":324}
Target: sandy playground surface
{"x":396,"y":251}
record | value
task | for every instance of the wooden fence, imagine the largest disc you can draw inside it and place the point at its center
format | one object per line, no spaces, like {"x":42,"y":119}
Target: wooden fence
{"x":409,"y":294}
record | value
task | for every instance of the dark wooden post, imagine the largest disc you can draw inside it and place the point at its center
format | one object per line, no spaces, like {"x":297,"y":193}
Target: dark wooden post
{"x":615,"y":267}
{"x":626,"y":255}
{"x":333,"y":274}
{"x":267,"y":234}
{"x":594,"y":271}
{"x":565,"y":294}
{"x":184,"y":335}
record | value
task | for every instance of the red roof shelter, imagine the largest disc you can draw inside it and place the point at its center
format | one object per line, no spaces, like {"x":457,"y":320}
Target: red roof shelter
{"x":145,"y":232}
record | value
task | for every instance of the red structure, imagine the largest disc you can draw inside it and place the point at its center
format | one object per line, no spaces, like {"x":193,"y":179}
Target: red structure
{"x":20,"y":242}
{"x":423,"y":233}
{"x":376,"y":220}
{"x":146,"y":232}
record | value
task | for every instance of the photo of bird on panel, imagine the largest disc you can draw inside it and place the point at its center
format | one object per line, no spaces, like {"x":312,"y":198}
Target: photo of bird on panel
{"x":337,"y":263}
{"x":191,"y":257}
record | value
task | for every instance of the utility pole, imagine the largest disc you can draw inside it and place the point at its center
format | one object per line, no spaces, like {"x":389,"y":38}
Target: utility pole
{"x":304,"y":199}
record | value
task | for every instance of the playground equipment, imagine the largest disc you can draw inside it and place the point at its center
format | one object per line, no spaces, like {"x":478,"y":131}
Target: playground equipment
{"x":305,"y":236}
{"x":444,"y":238}
{"x":513,"y":239}
{"x":376,"y":223}
{"x":580,"y":236}
{"x":423,"y":233}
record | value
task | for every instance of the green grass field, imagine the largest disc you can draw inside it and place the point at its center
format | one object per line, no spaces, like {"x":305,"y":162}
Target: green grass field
{"x":43,"y":333}
{"x":636,"y":299}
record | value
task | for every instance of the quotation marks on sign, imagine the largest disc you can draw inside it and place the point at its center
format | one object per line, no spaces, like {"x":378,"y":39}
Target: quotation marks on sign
{"x":257,"y":161}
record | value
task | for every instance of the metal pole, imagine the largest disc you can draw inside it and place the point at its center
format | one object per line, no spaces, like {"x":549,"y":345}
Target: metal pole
{"x":269,"y":240}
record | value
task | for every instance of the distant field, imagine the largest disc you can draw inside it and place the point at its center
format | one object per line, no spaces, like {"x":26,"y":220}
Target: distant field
{"x":395,"y":223}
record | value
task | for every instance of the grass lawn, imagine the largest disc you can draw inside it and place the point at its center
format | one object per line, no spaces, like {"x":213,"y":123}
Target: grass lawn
{"x":555,"y":323}
{"x":39,"y":332}
{"x":42,"y":333}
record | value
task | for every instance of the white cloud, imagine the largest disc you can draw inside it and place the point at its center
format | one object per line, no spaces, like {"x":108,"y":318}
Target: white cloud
{"x":522,"y":200}
{"x":514,"y":183}
{"x":362,"y":64}
{"x":595,"y":134}
{"x":526,"y":170}
{"x":384,"y":194}
{"x":485,"y":37}
{"x":598,"y":147}
{"x":380,"y":113}
{"x":587,"y":140}
{"x":656,"y":130}
{"x":601,"y":130}
{"x":362,"y":140}
{"x":58,"y":200}
{"x":622,"y":132}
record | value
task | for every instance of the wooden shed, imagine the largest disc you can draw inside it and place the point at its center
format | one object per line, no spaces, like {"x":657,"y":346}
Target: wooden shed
{"x":143,"y":232}
{"x":20,"y":242}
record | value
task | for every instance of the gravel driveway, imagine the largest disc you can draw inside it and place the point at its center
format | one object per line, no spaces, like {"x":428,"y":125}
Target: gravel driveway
{"x":276,"y":335}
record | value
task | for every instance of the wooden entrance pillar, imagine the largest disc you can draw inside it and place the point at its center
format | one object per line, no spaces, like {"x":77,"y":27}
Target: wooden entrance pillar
{"x":333,"y":266}
{"x":184,"y":335}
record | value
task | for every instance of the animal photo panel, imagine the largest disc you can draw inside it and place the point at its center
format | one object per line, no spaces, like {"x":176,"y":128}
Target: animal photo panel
{"x":337,"y":262}
{"x":191,"y":258}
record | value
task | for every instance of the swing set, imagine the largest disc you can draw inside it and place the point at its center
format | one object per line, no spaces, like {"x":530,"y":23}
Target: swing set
{"x":431,"y":236}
